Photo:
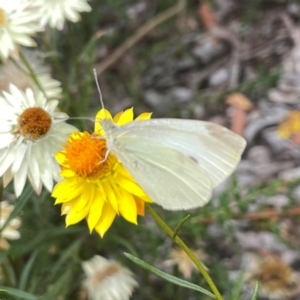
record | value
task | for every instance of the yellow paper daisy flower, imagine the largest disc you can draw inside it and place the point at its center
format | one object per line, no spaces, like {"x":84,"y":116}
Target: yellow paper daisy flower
{"x":96,"y":186}
{"x":290,"y":126}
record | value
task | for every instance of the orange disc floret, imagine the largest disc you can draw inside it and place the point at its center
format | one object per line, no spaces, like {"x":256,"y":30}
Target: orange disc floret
{"x":87,"y":156}
{"x":34,"y":123}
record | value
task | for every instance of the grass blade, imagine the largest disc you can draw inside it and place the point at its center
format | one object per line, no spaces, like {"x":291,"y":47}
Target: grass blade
{"x":168,"y":277}
{"x":17,"y":293}
{"x":255,"y":293}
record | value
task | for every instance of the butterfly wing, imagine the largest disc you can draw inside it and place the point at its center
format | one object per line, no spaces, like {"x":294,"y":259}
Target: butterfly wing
{"x":168,"y":177}
{"x":213,"y":147}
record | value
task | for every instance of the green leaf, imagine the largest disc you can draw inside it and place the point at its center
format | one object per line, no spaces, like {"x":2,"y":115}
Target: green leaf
{"x":3,"y":256}
{"x":168,"y":277}
{"x":26,"y":271}
{"x":9,"y":272}
{"x":179,"y":226}
{"x":124,"y":242}
{"x":255,"y":293}
{"x":90,"y":45}
{"x":60,"y":283}
{"x":236,"y":291}
{"x":47,"y":235}
{"x":64,"y":257}
{"x":17,"y":293}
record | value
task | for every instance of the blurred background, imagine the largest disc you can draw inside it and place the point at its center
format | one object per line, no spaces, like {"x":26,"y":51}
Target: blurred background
{"x":235,"y":63}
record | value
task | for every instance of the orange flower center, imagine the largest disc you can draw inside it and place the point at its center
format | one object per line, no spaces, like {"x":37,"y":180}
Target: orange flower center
{"x":2,"y":17}
{"x":86,"y":156}
{"x":34,"y":123}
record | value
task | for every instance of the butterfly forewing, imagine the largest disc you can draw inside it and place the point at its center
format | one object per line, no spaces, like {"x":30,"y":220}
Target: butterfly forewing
{"x":176,"y":162}
{"x":215,"y":148}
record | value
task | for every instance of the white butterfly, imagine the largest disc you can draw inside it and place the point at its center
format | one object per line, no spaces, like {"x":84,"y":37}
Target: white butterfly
{"x":176,"y":162}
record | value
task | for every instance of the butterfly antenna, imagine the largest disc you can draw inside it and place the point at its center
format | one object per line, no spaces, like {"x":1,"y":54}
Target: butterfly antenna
{"x":98,"y":87}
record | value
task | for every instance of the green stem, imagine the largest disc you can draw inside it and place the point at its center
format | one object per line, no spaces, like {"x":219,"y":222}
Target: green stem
{"x":32,"y":73}
{"x":185,"y":248}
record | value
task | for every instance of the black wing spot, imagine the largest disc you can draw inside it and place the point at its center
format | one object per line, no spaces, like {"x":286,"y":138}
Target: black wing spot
{"x":194,"y":159}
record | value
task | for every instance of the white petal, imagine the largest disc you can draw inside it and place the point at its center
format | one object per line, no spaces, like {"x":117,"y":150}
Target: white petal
{"x":20,"y":178}
{"x":3,"y":100}
{"x":6,"y":139}
{"x":4,"y":128}
{"x":39,"y":186}
{"x":8,"y":159}
{"x":30,"y":97}
{"x":11,"y":100}
{"x":51,"y":106}
{"x":16,"y":93}
{"x":11,"y":234}
{"x":34,"y":170}
{"x":3,"y":153}
{"x":40,"y":100}
{"x":47,"y":179}
{"x":7,"y":177}
{"x":20,"y":154}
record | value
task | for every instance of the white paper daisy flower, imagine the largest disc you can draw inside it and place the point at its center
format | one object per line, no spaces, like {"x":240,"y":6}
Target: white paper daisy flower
{"x":10,"y":231}
{"x":10,"y":73}
{"x":54,"y":12}
{"x":31,"y":133}
{"x":107,"y":279}
{"x":18,"y":22}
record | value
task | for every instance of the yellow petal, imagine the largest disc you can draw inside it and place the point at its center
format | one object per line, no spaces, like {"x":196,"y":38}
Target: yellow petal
{"x":95,"y":210}
{"x":60,"y":156}
{"x":86,"y":196}
{"x":67,"y":173}
{"x":127,"y":207}
{"x":66,"y":207}
{"x":61,"y":187}
{"x":144,"y":116}
{"x":101,"y":115}
{"x":126,"y":117}
{"x":120,"y":169}
{"x":114,"y":186}
{"x":110,"y":195}
{"x":146,"y":199}
{"x":67,"y":189}
{"x":129,"y":185}
{"x":56,"y":189}
{"x":74,"y":216}
{"x":76,"y":135}
{"x":117,"y":116}
{"x":106,"y":219}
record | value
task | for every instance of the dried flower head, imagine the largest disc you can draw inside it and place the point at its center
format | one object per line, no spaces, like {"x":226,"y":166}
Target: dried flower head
{"x":276,"y":279}
{"x":10,"y":231}
{"x":185,"y":264}
{"x":290,"y":126}
{"x":107,"y":279}
{"x":290,"y":232}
